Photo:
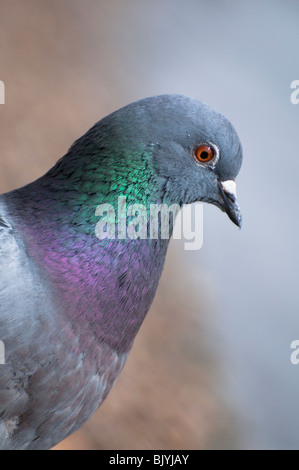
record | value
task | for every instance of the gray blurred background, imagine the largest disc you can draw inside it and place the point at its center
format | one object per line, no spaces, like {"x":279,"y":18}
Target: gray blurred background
{"x":211,"y":366}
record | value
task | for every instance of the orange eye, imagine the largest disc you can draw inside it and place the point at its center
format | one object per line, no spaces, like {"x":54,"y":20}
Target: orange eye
{"x":204,"y":153}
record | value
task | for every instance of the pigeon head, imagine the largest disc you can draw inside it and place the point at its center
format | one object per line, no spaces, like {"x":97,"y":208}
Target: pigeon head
{"x":171,"y":147}
{"x":196,"y":150}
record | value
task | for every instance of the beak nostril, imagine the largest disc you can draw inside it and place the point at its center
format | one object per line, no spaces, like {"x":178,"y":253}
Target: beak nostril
{"x":230,"y":188}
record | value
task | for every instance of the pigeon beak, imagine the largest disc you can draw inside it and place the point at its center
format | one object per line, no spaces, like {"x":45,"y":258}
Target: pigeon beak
{"x":229,"y":196}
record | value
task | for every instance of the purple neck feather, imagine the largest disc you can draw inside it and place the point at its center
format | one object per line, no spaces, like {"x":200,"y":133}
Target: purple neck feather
{"x":104,"y":288}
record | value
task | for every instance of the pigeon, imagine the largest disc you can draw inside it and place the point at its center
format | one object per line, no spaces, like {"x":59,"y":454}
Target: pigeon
{"x":72,"y":300}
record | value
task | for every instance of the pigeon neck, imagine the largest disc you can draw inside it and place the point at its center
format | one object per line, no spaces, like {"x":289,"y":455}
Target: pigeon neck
{"x":104,"y":287}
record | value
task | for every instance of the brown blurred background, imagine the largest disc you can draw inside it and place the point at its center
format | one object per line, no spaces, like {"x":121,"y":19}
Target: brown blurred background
{"x":211,"y":365}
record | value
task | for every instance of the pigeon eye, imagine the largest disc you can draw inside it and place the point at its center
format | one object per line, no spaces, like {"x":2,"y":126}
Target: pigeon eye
{"x":204,"y":153}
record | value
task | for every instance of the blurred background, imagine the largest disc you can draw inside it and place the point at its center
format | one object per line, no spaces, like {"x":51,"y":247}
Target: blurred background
{"x":210,"y":368}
